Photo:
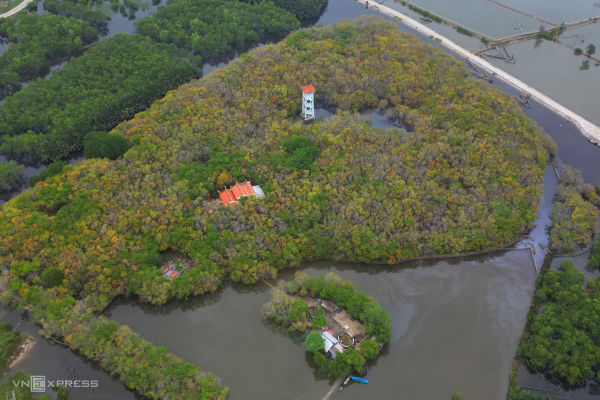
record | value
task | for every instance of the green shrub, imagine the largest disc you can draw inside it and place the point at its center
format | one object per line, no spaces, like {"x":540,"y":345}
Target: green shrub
{"x":54,"y":168}
{"x":354,"y":359}
{"x":52,"y":277}
{"x":304,"y":10}
{"x":104,"y":145}
{"x":10,"y":176}
{"x":369,"y":349}
{"x":319,"y":322}
{"x":301,"y":152}
{"x":105,"y":330}
{"x":594,"y":260}
{"x":465,"y":31}
{"x":314,"y":342}
{"x":215,"y":30}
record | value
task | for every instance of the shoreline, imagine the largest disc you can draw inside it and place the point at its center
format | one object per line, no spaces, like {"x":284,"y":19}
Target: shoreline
{"x":587,"y":128}
{"x":24,"y":349}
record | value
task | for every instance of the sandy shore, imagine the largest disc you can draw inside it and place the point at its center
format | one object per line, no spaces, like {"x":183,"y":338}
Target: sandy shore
{"x":23,"y":350}
{"x":587,"y":128}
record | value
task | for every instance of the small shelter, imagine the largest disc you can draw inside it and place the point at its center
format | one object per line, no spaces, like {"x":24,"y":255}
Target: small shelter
{"x":331,"y":345}
{"x":233,"y":194}
{"x":308,"y":102}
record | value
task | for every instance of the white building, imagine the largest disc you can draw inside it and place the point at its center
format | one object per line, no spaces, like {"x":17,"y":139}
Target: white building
{"x":308,"y":102}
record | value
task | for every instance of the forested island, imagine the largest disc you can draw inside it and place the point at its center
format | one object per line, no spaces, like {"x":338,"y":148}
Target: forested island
{"x":321,"y":309}
{"x":465,"y":175}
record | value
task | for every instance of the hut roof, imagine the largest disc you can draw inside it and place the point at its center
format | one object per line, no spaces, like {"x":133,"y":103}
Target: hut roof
{"x":233,"y":194}
{"x":308,"y":89}
{"x":329,"y":340}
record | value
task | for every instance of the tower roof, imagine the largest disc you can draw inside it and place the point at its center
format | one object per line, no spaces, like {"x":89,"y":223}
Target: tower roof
{"x":308,"y":89}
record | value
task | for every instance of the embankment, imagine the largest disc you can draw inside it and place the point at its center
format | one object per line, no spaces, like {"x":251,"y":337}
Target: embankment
{"x":587,"y":128}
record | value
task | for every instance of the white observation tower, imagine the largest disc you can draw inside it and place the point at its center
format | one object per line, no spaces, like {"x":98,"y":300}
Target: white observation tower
{"x":308,"y":102}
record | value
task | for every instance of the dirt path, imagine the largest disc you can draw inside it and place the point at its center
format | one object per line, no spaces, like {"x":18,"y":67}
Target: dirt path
{"x":15,"y":10}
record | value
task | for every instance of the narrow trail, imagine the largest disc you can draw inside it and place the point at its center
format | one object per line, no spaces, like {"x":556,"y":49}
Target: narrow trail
{"x":15,"y":10}
{"x":587,"y":128}
{"x":334,"y":388}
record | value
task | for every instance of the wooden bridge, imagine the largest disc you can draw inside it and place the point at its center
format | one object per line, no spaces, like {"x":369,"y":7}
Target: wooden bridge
{"x":494,"y":43}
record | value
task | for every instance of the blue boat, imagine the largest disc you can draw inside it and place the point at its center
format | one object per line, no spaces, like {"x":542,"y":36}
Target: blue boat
{"x":358,"y":379}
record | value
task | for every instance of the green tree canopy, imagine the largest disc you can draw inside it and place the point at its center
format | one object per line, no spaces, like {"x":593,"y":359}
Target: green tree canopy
{"x":369,"y":349}
{"x":104,"y":145}
{"x":314,"y":342}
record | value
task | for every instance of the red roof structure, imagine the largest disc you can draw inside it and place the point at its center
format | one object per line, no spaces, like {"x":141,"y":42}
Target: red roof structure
{"x":308,"y":89}
{"x":232,"y":195}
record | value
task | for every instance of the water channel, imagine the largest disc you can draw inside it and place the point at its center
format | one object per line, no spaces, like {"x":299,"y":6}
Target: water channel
{"x":550,"y":68}
{"x":456,"y":321}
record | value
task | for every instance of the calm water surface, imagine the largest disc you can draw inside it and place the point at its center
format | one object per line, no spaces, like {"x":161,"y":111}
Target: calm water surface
{"x":57,"y":362}
{"x":455,"y":322}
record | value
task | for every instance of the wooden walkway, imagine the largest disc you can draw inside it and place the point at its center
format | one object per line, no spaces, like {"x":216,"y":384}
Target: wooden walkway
{"x":531,"y":35}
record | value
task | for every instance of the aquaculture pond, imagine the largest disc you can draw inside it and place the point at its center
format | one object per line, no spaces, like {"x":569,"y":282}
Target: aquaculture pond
{"x":551,"y":68}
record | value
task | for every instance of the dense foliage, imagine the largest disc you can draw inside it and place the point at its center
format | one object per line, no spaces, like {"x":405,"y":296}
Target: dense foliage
{"x":375,"y":319}
{"x":284,"y":308}
{"x":94,"y":92}
{"x":39,"y":41}
{"x":51,"y":170}
{"x":574,"y":219}
{"x":304,"y":10}
{"x":151,"y":371}
{"x":467,"y":177}
{"x":563,"y":339}
{"x":216,"y":30}
{"x":104,"y":145}
{"x":350,"y":361}
{"x":369,"y":349}
{"x":10,"y":176}
{"x":10,"y":341}
{"x":594,"y":260}
{"x":287,"y":310}
{"x":314,"y":342}
{"x":80,"y":9}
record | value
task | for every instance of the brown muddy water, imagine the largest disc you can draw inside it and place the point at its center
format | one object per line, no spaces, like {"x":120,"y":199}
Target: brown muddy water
{"x":456,"y":324}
